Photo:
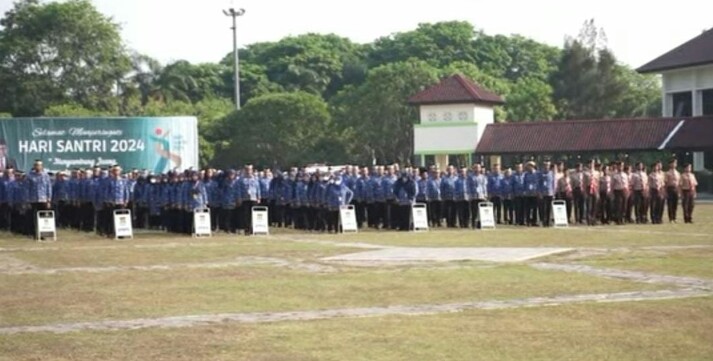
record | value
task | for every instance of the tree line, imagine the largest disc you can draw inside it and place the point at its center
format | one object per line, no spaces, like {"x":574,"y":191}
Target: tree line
{"x":305,"y":98}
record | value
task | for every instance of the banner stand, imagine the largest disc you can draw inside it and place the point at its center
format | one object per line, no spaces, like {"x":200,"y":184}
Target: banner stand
{"x":122,"y":224}
{"x":45,"y":229}
{"x":347,"y":219}
{"x":559,"y":210}
{"x":486,"y":215}
{"x":260,"y":220}
{"x":419,"y":217}
{"x":201,"y":223}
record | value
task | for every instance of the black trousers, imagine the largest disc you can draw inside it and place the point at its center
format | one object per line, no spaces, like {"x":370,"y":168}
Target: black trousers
{"x":463,"y":213}
{"x":687,"y":203}
{"x":531,"y":210}
{"x":619,"y":206}
{"x":360,"y":208}
{"x":391,"y":215}
{"x":592,"y":208}
{"x":579,"y":205}
{"x":497,"y":208}
{"x":475,"y":213}
{"x":435,"y":213}
{"x":605,"y":208}
{"x":639,"y":206}
{"x":332,"y":218}
{"x":4,"y":217}
{"x":656,"y":200}
{"x":247,"y":216}
{"x":672,"y":202}
{"x":519,"y":205}
{"x":508,"y":211}
{"x":403,"y":216}
{"x":450,"y":213}
{"x":546,"y":208}
{"x":381,"y":215}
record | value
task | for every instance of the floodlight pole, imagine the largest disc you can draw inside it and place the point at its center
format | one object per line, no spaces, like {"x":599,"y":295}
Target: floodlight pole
{"x":236,"y":72}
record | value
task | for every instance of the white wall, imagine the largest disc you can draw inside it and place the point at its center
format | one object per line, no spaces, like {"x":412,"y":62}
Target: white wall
{"x":456,"y":138}
{"x":456,"y":113}
{"x":689,"y":79}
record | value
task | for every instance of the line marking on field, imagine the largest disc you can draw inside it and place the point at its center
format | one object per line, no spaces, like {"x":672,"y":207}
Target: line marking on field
{"x":414,"y":310}
{"x":688,"y":282}
{"x":601,"y":229}
{"x":238,"y":262}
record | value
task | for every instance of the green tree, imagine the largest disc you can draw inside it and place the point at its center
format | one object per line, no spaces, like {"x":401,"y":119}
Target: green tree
{"x":438,"y":44}
{"x":378,"y":113}
{"x":279,"y":129}
{"x":56,"y":53}
{"x":73,"y":110}
{"x":530,"y":100}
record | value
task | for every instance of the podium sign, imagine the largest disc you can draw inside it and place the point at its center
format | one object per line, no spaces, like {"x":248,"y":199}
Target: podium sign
{"x":260,"y":221}
{"x":419,"y":215}
{"x":122,"y":224}
{"x":46,"y":229}
{"x":559,"y":209}
{"x":486,"y":216}
{"x":201,"y":223}
{"x":347,"y":219}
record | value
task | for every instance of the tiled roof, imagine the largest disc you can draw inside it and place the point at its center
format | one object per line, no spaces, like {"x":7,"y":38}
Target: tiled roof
{"x":456,"y":89}
{"x":694,"y":134}
{"x":697,"y":51}
{"x":582,"y":136}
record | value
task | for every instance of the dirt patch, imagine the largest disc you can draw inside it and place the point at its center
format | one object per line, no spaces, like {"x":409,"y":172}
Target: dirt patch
{"x":9,"y":264}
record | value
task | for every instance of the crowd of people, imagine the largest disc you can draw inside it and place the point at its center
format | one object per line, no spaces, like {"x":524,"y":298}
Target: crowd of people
{"x":85,"y":199}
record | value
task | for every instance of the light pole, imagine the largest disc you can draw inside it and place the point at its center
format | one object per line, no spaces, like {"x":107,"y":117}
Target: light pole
{"x":234,"y":14}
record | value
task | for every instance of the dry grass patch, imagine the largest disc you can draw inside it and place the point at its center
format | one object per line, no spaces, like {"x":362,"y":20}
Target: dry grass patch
{"x":660,"y":330}
{"x":681,"y":262}
{"x":41,"y":299}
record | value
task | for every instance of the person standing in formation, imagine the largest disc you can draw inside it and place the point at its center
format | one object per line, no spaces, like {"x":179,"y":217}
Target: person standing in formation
{"x":688,"y":184}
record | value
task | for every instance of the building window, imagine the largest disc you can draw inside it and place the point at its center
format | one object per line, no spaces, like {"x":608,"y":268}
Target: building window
{"x":707,"y":101}
{"x":448,"y":116}
{"x":682,"y":104}
{"x":432,"y":117}
{"x":463,"y":116}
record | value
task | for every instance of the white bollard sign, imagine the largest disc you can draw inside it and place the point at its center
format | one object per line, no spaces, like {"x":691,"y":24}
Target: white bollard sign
{"x":46,"y":229}
{"x":347,"y":218}
{"x":260,"y":220}
{"x":201,"y":223}
{"x":559,"y":209}
{"x":122,"y":224}
{"x":486,"y":216}
{"x":419,"y":214}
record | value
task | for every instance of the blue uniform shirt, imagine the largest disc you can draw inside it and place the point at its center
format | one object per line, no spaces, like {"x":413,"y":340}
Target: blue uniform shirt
{"x":117,"y":191}
{"x":532,"y":186}
{"x":518,"y":184}
{"x":495,"y":185}
{"x":460,"y":189}
{"x":433,"y":189}
{"x":249,"y":189}
{"x":547,"y":183}
{"x":39,"y":187}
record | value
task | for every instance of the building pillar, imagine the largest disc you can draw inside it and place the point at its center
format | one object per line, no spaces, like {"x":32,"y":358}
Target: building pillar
{"x":441,"y":161}
{"x":698,"y":161}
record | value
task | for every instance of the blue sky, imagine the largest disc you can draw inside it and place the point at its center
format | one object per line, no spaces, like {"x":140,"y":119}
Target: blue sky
{"x":196,"y":30}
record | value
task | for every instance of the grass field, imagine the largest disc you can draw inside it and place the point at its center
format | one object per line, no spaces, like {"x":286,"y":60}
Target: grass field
{"x":88,"y":279}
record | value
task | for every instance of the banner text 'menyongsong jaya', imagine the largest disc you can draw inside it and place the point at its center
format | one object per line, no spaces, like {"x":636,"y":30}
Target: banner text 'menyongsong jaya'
{"x":156,"y":144}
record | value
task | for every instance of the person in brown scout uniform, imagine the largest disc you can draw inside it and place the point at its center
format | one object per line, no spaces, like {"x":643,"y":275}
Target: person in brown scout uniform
{"x":592,"y":175}
{"x":639,"y":185}
{"x":688,"y":185}
{"x":577,"y":182}
{"x":672,"y":180}
{"x":656,"y":193}
{"x":605,"y":196}
{"x":619,"y":181}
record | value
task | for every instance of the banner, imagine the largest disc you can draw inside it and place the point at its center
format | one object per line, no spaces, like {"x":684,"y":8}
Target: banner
{"x":155,"y":144}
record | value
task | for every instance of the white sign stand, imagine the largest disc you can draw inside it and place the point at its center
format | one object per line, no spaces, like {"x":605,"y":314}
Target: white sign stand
{"x":260,"y":220}
{"x":347,"y":219}
{"x":122,"y":224}
{"x":201,"y":223}
{"x":559,"y":210}
{"x":46,"y":229}
{"x":486,"y":216}
{"x":419,"y":215}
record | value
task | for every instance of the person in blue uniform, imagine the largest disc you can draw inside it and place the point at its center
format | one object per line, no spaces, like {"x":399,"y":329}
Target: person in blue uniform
{"x":448,"y":191}
{"x":336,"y":195}
{"x":405,"y":191}
{"x":532,"y":189}
{"x":378,"y":211}
{"x":197,"y":197}
{"x":4,"y":209}
{"x":461,"y":198}
{"x":39,"y":189}
{"x":301,"y":202}
{"x":478,"y":191}
{"x":506,"y":194}
{"x":116,"y":196}
{"x":61,"y":199}
{"x":495,"y":192}
{"x":387,"y":186}
{"x":435,"y":202}
{"x":518,"y":189}
{"x":249,"y":196}
{"x":547,"y":193}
